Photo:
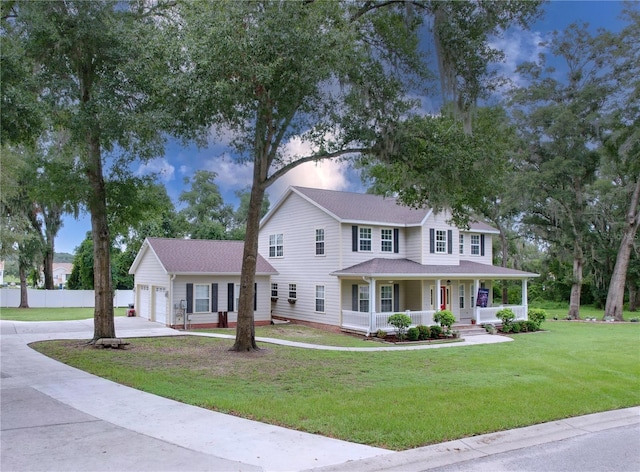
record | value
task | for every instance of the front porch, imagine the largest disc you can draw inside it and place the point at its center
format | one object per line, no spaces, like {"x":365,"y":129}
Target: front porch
{"x":369,"y":323}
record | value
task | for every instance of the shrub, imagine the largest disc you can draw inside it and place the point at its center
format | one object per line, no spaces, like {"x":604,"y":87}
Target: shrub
{"x":507,"y":316}
{"x":445,"y":319}
{"x":381,"y":333}
{"x":516,"y":327}
{"x":400,"y":321}
{"x":532,"y":325}
{"x":489,"y":328}
{"x":423,"y":332}
{"x":413,"y":334}
{"x":537,"y":316}
{"x":435,"y":331}
{"x":635,"y":319}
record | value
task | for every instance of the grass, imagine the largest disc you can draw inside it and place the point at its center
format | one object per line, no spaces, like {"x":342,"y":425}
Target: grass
{"x":395,"y":400}
{"x":51,"y":314}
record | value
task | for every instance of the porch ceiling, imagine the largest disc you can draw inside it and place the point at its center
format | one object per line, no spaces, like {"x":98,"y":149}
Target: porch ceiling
{"x":406,"y":268}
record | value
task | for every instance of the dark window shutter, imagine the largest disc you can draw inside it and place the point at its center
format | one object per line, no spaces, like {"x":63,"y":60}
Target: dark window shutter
{"x":354,"y":298}
{"x":396,"y":242}
{"x":230,"y":297}
{"x":354,"y":238}
{"x":482,"y":244}
{"x":214,"y":297}
{"x":396,"y":297}
{"x":432,"y":240}
{"x":255,"y":296}
{"x":450,"y":241}
{"x":189,"y":298}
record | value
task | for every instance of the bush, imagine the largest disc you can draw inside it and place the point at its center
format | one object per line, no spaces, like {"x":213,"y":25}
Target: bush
{"x":381,"y":333}
{"x":507,"y":316}
{"x":445,"y":319}
{"x":423,"y":332}
{"x":435,"y":331}
{"x":400,"y":321}
{"x":489,"y":328}
{"x":532,"y":325}
{"x":537,"y":316}
{"x":413,"y":334}
{"x":516,"y":327}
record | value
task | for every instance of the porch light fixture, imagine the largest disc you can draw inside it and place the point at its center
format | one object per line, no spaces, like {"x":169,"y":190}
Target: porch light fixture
{"x":448,"y":282}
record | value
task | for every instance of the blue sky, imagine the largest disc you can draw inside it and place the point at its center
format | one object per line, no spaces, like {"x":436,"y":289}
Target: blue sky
{"x":180,"y":161}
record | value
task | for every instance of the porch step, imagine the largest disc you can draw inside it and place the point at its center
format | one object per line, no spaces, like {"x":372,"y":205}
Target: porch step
{"x":469,"y":329}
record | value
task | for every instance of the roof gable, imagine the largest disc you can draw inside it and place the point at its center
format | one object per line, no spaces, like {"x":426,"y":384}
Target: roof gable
{"x":199,"y":256}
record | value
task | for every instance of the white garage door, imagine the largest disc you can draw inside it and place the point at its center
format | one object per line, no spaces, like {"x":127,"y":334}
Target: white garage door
{"x":160,"y":305}
{"x":143,"y":302}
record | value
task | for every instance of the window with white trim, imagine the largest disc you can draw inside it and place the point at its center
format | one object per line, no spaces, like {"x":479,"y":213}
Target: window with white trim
{"x":473,"y":297}
{"x":320,"y":298}
{"x":274,"y":290}
{"x":441,"y":241}
{"x":475,"y":244}
{"x":201,"y":298}
{"x":386,"y":298}
{"x":386,"y":240}
{"x":293,"y":291}
{"x":276,"y":245}
{"x":319,"y":242}
{"x":363,"y":298}
{"x":461,"y":295}
{"x":462,"y":244}
{"x":364,"y":239}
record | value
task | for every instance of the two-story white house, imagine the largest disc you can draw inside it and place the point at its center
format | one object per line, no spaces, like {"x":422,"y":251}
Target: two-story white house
{"x":349,"y":261}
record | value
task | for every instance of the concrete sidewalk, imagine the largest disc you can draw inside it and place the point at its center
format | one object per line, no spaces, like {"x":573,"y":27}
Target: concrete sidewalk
{"x":57,"y":418}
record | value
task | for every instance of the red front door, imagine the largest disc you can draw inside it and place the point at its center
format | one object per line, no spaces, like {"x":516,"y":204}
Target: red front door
{"x":443,"y":297}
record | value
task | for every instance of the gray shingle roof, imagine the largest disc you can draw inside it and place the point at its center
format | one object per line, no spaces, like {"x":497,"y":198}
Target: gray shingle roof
{"x":404,"y":267}
{"x":348,"y":206}
{"x":202,"y":256}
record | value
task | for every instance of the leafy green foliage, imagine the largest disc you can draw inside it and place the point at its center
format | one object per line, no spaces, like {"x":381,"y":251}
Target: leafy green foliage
{"x":435,"y":331}
{"x":413,"y":334}
{"x":507,"y":316}
{"x":444,"y":318}
{"x":400,"y":321}
{"x":537,"y":317}
{"x":423,"y":332}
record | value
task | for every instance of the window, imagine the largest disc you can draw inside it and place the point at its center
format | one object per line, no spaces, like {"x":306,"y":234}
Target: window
{"x":441,"y":241}
{"x":293,"y":292}
{"x":473,"y":298}
{"x":386,"y":236}
{"x":320,"y":298}
{"x":365,"y":239}
{"x":461,"y":295}
{"x":319,"y":242}
{"x":202,"y":298}
{"x":363,"y":298}
{"x":386,"y":298}
{"x":274,"y":290}
{"x":475,"y":244}
{"x":462,"y":244}
{"x":276,"y":245}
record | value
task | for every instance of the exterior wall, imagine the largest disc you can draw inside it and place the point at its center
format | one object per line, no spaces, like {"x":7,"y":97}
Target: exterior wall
{"x":262,"y":314}
{"x":488,"y":249}
{"x":150,"y":273}
{"x":351,"y":257}
{"x":297,"y":220}
{"x":439,"y":222}
{"x":414,"y":243}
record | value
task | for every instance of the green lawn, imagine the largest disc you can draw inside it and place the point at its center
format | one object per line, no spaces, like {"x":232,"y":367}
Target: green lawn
{"x":396,"y":400}
{"x":51,"y":314}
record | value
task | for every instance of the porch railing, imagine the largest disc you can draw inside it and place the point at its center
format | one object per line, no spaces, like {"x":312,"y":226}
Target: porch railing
{"x":372,"y":322}
{"x":488,"y":315}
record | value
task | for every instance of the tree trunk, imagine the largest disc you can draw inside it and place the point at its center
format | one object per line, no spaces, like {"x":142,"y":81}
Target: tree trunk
{"x":634,"y":296}
{"x":52,"y":222}
{"x":245,"y":330}
{"x":576,"y":287}
{"x":104,"y":326}
{"x":24,"y":298}
{"x":615,"y":296}
{"x":47,"y":263}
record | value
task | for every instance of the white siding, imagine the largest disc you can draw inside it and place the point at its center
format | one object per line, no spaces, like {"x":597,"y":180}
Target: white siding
{"x":413,"y":241}
{"x":298,"y":220}
{"x":488,"y":249}
{"x":439,"y":222}
{"x":151,"y":274}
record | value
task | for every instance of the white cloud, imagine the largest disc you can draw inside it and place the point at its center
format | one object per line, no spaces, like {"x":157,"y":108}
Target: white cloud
{"x":158,"y":166}
{"x":519,"y":46}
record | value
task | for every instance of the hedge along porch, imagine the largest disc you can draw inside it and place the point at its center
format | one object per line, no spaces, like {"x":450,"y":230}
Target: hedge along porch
{"x":376,"y":289}
{"x":196,"y":283}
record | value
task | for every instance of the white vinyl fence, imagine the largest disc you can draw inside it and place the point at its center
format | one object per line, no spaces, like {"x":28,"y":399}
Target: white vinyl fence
{"x":10,"y":298}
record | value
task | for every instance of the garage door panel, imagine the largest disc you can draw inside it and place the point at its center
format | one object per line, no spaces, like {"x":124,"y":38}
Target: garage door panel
{"x":160,"y":305}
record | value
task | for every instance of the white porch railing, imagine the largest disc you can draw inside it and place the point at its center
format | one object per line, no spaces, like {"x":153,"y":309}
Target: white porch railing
{"x":372,"y":322}
{"x":488,"y":315}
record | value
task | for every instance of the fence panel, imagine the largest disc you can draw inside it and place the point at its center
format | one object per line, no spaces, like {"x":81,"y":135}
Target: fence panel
{"x":10,"y":298}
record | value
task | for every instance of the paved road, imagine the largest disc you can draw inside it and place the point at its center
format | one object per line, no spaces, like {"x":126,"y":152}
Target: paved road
{"x":56,"y":418}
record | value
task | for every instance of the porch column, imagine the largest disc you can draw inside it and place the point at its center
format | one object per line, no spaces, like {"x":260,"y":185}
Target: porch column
{"x":438,"y":296}
{"x":525,"y":302}
{"x":372,"y":305}
{"x":476,"y":313}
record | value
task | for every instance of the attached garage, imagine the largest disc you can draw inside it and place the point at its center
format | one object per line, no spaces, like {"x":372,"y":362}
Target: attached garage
{"x":142,"y":303}
{"x":160,"y":305}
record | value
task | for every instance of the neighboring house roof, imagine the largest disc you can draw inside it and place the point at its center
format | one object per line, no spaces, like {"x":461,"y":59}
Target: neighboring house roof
{"x":199,"y":256}
{"x":406,"y":268}
{"x":350,"y":207}
{"x":64,"y":267}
